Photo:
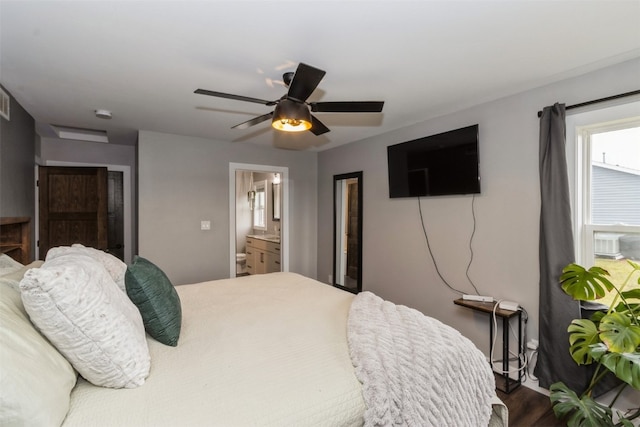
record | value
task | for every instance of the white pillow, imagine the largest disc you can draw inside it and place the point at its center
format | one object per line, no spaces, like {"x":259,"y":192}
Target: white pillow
{"x":8,"y":264}
{"x":13,"y":279}
{"x":35,"y":379}
{"x":114,"y":266}
{"x":74,"y":302}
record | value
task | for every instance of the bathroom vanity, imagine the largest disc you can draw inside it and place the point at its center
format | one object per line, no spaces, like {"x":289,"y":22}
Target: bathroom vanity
{"x":263,"y":254}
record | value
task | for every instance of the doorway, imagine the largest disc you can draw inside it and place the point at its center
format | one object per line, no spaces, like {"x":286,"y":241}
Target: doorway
{"x":239,"y":186}
{"x":72,"y":207}
{"x":127,"y":203}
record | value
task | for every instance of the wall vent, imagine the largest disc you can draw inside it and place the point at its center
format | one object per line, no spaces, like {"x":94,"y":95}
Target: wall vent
{"x":5,"y":104}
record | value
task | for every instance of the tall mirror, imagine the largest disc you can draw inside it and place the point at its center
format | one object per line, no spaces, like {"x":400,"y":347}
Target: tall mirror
{"x":275,"y":206}
{"x":347,"y":231}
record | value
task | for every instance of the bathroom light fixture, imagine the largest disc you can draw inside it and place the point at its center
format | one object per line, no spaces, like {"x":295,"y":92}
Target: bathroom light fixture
{"x":251,"y":194}
{"x":291,"y":116}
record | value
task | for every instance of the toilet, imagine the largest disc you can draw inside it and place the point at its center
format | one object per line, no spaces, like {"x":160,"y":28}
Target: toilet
{"x":241,"y":264}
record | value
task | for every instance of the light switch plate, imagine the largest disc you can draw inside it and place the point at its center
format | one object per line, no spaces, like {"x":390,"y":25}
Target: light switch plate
{"x":205,"y":225}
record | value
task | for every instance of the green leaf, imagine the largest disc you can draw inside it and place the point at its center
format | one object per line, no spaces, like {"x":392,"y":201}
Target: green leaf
{"x":597,"y":316}
{"x":634,"y":265}
{"x":628,"y":309}
{"x":625,"y":422}
{"x":585,"y":285}
{"x":578,"y":412}
{"x":617,"y":332}
{"x":634,"y":293}
{"x":597,"y":351}
{"x":634,"y":311}
{"x":582,"y":334}
{"x":626,"y":366}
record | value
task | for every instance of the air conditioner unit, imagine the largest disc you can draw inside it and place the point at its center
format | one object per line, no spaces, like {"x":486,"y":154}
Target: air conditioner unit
{"x":607,"y":244}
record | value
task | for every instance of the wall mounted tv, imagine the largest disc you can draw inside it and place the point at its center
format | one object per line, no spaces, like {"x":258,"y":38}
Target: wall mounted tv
{"x":436,"y":165}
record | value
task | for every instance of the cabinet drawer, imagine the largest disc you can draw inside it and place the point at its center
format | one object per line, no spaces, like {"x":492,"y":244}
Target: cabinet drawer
{"x":257,"y":243}
{"x":273,"y":262}
{"x":264,"y":245}
{"x":251,"y":260}
{"x":273,"y":247}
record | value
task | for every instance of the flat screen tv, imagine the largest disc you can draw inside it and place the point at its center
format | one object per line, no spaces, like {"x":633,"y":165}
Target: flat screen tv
{"x":436,"y":165}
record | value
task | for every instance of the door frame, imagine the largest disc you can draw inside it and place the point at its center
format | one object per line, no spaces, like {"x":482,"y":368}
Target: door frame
{"x":285,"y":221}
{"x":126,"y":194}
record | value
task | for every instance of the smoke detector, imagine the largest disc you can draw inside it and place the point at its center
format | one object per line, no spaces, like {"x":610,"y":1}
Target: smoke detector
{"x":103,"y":114}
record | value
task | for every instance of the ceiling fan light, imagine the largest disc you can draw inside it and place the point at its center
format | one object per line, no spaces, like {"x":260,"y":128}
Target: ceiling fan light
{"x":289,"y":125}
{"x":290,"y":116}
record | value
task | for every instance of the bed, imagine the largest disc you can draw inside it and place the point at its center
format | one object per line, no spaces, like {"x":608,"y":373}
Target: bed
{"x":266,"y":350}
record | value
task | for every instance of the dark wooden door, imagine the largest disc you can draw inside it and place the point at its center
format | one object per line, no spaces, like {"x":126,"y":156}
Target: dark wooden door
{"x":72,"y":207}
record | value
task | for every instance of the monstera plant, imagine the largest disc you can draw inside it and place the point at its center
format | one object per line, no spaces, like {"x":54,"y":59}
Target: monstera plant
{"x":609,"y":339}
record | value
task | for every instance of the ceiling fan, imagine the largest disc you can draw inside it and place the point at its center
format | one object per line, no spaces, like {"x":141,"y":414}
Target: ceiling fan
{"x":292,"y":112}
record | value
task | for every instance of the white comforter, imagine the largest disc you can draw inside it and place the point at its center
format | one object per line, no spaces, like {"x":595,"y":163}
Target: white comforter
{"x":267,"y":350}
{"x":415,"y":370}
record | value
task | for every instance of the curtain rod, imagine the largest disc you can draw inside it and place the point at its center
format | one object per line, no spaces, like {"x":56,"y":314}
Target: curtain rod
{"x":597,"y":101}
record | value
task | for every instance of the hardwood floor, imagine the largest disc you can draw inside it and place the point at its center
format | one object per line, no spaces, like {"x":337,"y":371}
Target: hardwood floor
{"x":528,"y":408}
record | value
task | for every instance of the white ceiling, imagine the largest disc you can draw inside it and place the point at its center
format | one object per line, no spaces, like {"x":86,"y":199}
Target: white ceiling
{"x":143,"y":59}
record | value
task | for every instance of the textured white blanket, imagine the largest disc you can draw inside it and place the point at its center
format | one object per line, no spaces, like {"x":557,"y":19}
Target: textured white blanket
{"x":415,"y":370}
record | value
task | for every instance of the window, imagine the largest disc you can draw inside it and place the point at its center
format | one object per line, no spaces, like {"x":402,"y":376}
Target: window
{"x":260,"y":206}
{"x":607,"y":207}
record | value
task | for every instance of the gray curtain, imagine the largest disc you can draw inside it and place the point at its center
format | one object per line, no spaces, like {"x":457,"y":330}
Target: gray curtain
{"x":557,"y":309}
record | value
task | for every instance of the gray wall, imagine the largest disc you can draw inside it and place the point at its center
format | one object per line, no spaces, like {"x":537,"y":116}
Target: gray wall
{"x":396,"y":263}
{"x":17,"y":154}
{"x":183,"y":180}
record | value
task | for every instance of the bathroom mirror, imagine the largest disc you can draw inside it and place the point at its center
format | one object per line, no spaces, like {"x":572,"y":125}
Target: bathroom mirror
{"x":347,"y":231}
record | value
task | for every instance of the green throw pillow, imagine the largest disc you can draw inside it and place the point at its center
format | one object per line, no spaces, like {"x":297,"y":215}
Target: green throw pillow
{"x":156,"y":298}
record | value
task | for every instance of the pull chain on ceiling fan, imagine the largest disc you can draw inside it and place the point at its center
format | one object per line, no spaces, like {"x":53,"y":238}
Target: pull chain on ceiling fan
{"x":292,"y":113}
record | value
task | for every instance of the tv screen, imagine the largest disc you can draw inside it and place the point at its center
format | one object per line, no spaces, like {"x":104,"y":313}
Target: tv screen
{"x":437,"y":165}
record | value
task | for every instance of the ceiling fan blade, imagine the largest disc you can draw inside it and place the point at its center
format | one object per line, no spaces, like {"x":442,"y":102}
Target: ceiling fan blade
{"x":347,"y":107}
{"x":304,"y":82}
{"x":253,"y":121}
{"x":317,"y":127}
{"x":231,"y":96}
